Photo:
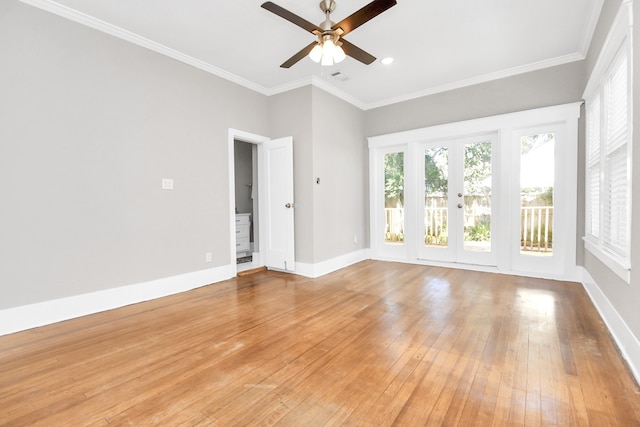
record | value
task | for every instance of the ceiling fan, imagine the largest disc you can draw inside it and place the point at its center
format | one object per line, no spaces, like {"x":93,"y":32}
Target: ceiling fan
{"x":331,"y":47}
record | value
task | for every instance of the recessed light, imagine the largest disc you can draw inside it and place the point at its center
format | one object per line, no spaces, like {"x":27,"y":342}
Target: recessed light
{"x":386,"y":61}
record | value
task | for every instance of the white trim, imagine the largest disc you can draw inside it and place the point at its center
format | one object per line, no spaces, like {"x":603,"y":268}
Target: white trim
{"x":613,"y":263}
{"x":620,"y":30}
{"x":564,"y":117}
{"x":590,"y":27}
{"x":509,"y":72}
{"x":619,"y":39}
{"x":232,"y":136}
{"x":121,"y":33}
{"x":44,"y":313}
{"x":573,"y":275}
{"x":105,"y":27}
{"x":535,"y":117}
{"x":320,"y":84}
{"x":329,"y":266}
{"x":627,"y":342}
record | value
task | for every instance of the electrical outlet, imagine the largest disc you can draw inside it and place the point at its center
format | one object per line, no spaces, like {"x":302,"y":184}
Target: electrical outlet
{"x":167,"y":184}
{"x":208,"y":257}
{"x":355,"y":238}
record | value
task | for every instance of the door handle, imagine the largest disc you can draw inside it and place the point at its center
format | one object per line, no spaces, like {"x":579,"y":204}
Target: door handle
{"x":460,"y":205}
{"x":288,"y":205}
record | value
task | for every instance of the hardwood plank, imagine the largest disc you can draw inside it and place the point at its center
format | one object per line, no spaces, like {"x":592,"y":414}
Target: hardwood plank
{"x":374,"y":344}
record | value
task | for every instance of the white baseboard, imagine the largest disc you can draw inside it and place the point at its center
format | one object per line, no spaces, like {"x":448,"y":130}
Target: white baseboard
{"x":325,"y":267}
{"x":626,"y":340}
{"x":30,"y":316}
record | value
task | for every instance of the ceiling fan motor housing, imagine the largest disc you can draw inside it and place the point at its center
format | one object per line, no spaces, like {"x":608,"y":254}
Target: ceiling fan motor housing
{"x":327,"y":6}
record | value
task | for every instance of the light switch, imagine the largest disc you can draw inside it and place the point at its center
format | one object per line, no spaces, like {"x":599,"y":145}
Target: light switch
{"x":167,"y":184}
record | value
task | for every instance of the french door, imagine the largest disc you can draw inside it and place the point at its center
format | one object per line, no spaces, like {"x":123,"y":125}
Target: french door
{"x":498,"y":193}
{"x":457,"y":215}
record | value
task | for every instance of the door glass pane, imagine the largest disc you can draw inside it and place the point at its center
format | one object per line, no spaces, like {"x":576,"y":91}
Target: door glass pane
{"x":537,"y":164}
{"x":436,"y":200}
{"x":477,"y":197}
{"x":394,"y":198}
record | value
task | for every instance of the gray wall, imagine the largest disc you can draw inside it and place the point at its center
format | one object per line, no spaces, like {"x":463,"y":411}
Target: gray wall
{"x":605,"y":20}
{"x":90,"y":125}
{"x":329,"y":143}
{"x":552,"y":86}
{"x":340,"y":160}
{"x":624,"y":297}
{"x":290,"y":115}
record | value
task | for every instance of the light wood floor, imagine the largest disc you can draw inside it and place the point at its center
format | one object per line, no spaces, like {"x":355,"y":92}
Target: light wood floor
{"x":373,"y":344}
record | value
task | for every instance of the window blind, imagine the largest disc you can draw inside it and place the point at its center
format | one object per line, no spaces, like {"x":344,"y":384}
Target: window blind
{"x":616,"y":204}
{"x":592,"y":191}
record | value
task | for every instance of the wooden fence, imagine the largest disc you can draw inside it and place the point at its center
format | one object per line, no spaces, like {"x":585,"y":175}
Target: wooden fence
{"x":536,"y":227}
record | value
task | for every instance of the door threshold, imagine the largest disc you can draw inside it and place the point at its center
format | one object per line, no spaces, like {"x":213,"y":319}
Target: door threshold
{"x":252,"y":271}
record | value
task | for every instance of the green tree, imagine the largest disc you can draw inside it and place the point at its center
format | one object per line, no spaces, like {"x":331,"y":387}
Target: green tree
{"x":477,"y":168}
{"x":529,"y":142}
{"x":393,"y":180}
{"x":436,"y":181}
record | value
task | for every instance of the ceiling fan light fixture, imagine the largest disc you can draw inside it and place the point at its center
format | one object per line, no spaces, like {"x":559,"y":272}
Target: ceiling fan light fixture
{"x":338,"y":54}
{"x":316,"y":53}
{"x":328,"y":49}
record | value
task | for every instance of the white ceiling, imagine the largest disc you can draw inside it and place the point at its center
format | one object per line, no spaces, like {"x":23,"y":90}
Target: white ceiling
{"x":437,"y":44}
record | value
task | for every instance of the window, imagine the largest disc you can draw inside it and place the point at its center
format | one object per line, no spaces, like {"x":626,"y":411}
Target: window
{"x":448,"y":194}
{"x":608,"y":153}
{"x":537,"y":178}
{"x":394,"y":198}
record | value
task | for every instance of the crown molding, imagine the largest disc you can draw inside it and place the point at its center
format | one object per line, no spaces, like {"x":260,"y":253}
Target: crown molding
{"x":509,"y":72}
{"x":328,"y":87}
{"x":97,"y":24}
{"x":590,"y":27}
{"x":121,"y":33}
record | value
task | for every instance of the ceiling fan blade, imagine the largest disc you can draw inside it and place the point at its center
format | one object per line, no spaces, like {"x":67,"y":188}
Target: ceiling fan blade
{"x":291,"y":17}
{"x":356,"y":53}
{"x":363,"y":15}
{"x":298,"y":56}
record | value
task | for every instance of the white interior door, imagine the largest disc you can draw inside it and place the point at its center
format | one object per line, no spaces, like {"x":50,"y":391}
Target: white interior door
{"x":278,"y":204}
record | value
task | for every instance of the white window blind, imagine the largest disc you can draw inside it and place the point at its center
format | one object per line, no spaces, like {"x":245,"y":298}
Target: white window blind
{"x":616,"y":175}
{"x":608,"y":152}
{"x":592,"y":190}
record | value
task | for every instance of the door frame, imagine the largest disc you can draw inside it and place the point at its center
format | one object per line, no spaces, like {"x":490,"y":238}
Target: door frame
{"x":563,"y":191}
{"x":504,"y":126}
{"x":250,"y":138}
{"x":455,"y":252}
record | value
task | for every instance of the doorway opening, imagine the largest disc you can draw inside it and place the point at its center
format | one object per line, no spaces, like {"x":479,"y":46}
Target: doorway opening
{"x":246,"y":203}
{"x":262,"y":213}
{"x":245,"y":197}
